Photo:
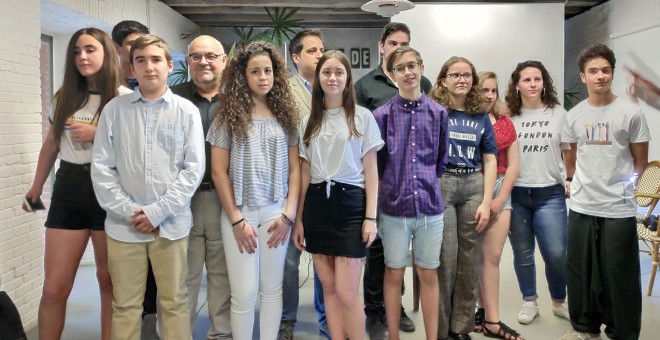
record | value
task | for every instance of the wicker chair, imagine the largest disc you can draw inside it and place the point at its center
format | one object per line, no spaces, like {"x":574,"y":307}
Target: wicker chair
{"x":647,"y":195}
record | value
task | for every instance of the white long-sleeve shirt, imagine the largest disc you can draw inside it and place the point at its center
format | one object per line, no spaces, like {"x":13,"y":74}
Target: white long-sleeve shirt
{"x":148,"y":155}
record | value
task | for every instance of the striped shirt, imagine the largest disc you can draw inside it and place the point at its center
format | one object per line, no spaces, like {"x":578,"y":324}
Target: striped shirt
{"x":259,"y":165}
{"x":414,"y":156}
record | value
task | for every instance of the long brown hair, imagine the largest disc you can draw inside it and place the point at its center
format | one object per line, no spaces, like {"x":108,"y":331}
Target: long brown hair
{"x":548,"y":94}
{"x":235,"y":109}
{"x":475,"y":102}
{"x":74,"y":93}
{"x":318,"y":99}
{"x":498,"y":108}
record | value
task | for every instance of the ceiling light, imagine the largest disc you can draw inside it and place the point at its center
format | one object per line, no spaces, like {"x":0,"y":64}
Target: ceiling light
{"x":387,"y":8}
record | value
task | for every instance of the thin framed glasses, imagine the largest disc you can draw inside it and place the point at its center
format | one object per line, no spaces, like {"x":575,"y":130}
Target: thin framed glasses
{"x":457,"y":76}
{"x":401,"y":69}
{"x":210,"y":57}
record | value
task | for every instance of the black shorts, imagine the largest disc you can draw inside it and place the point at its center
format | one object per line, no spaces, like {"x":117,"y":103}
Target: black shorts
{"x":333,"y":226}
{"x":73,"y":204}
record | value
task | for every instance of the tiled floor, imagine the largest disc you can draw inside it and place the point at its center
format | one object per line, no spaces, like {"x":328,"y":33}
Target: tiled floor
{"x":83,"y":309}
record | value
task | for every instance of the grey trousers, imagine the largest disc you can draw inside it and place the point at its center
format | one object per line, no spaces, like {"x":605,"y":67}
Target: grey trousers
{"x":205,"y":247}
{"x":460,"y":254}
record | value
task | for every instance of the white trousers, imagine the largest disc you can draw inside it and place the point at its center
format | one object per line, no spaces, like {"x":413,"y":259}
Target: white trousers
{"x":255,"y":275}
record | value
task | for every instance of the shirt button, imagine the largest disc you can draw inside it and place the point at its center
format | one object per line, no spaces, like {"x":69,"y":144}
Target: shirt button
{"x":414,"y":176}
{"x":413,"y":112}
{"x":413,"y":159}
{"x":415,"y":192}
{"x":413,"y":128}
{"x":413,"y":144}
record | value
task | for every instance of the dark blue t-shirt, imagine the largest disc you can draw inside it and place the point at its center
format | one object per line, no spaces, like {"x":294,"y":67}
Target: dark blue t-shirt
{"x":470,"y":135}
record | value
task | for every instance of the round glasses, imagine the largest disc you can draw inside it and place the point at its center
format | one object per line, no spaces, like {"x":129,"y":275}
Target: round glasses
{"x":401,"y":69}
{"x":457,"y":76}
{"x":210,"y":58}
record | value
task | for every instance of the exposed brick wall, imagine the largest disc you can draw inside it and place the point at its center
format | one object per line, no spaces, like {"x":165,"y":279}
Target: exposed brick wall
{"x":21,"y":234}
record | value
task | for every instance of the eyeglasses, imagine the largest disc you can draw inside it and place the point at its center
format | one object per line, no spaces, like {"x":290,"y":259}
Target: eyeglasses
{"x":457,"y":76}
{"x":401,"y":69}
{"x":210,"y":58}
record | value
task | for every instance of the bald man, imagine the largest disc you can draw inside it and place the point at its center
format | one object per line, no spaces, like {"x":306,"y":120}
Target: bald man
{"x":206,"y":60}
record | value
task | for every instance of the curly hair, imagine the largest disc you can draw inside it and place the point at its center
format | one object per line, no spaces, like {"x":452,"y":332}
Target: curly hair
{"x":236,"y":103}
{"x":475,"y":101}
{"x":548,"y":94}
{"x":593,"y":52}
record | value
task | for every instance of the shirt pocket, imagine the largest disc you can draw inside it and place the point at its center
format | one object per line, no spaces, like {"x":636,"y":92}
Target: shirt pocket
{"x":170,"y":139}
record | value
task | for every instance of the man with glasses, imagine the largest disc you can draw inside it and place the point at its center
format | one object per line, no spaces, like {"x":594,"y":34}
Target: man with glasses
{"x":373,"y":90}
{"x":206,"y":61}
{"x":415,"y":131}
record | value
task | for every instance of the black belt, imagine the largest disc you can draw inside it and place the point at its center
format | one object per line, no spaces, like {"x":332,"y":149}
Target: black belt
{"x":75,"y":166}
{"x":456,"y":170}
{"x":206,"y":186}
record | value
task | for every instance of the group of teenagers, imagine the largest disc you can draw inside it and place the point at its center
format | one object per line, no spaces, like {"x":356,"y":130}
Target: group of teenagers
{"x":351,"y":172}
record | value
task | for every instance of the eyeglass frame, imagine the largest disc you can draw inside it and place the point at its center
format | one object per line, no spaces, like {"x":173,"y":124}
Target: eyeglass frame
{"x":411,"y":67}
{"x":458,"y":75}
{"x":192,"y":57}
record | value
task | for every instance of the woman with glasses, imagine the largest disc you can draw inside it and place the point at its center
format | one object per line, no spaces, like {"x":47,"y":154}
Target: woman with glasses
{"x":538,"y":197}
{"x":508,"y":167}
{"x":467,"y":191}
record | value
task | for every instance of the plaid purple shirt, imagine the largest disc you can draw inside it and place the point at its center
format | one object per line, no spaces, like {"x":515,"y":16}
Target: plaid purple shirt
{"x":414,"y":156}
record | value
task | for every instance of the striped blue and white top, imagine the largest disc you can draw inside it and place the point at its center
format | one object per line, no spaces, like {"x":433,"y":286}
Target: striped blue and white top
{"x":258,"y":165}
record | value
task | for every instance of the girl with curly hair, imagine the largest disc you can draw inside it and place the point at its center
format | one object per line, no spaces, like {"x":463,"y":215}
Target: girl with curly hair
{"x":254,"y":155}
{"x":91,"y":79}
{"x":494,"y":236}
{"x":538,"y":197}
{"x":467,"y":191}
{"x":337,"y":212}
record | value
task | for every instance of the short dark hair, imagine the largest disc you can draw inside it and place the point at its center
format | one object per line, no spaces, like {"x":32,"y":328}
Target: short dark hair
{"x":593,"y":52}
{"x":126,"y":27}
{"x":296,"y":45}
{"x":392,"y":28}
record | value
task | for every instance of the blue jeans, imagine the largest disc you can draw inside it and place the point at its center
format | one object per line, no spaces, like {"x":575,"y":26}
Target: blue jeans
{"x":539,"y":213}
{"x":290,"y":288}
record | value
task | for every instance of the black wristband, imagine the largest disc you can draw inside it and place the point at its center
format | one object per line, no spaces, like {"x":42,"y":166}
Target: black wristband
{"x":237,"y":222}
{"x":371,"y":219}
{"x":569,"y":179}
{"x":286,"y":219}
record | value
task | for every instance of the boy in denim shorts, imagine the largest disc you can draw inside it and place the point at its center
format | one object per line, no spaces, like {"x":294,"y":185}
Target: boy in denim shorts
{"x":410,"y":165}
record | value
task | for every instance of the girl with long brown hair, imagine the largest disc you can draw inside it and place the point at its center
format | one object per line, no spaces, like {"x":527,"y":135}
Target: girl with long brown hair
{"x":91,"y":80}
{"x":337,"y":210}
{"x":254,"y":155}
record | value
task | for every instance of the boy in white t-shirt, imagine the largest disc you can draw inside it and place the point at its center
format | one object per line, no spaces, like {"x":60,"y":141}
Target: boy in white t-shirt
{"x":609,"y":142}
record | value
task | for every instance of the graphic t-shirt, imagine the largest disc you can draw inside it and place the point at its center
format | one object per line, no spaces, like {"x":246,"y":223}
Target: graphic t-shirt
{"x":470,"y":135}
{"x":602,"y":183}
{"x":81,"y":152}
{"x":539,"y":138}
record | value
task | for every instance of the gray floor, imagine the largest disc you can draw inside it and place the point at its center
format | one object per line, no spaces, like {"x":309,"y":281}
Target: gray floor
{"x":83,"y":308}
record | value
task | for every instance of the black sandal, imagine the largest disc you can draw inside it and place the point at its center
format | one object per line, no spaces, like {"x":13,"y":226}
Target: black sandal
{"x":505,"y":332}
{"x":479,"y":317}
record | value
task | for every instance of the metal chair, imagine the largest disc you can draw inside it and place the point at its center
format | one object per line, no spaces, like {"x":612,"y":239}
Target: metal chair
{"x":647,"y":195}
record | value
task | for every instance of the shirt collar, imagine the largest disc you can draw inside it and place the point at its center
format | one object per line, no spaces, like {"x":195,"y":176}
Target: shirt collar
{"x":409,"y":104}
{"x":380,"y":74}
{"x":166,"y":97}
{"x":307,"y":84}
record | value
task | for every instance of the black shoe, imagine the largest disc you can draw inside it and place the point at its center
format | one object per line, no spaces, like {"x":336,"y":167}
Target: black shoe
{"x":376,"y":327}
{"x":405,"y":323}
{"x":459,"y":336}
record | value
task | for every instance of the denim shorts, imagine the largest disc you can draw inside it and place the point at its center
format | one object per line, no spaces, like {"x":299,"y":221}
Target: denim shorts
{"x":426,"y":234}
{"x":496,"y":191}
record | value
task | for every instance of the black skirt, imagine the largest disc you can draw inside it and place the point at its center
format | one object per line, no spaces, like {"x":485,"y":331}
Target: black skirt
{"x":333,"y":226}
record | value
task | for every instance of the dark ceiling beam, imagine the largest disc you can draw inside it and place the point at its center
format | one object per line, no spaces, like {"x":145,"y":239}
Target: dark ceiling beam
{"x":256,"y":20}
{"x":259,"y":10}
{"x":323,"y":3}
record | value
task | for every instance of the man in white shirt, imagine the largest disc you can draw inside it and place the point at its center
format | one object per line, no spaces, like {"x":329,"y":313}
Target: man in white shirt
{"x":148,"y":160}
{"x":609,"y":141}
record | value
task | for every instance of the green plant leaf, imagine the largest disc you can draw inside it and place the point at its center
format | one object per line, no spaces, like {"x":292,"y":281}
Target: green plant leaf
{"x":180,"y":74}
{"x":283,"y":23}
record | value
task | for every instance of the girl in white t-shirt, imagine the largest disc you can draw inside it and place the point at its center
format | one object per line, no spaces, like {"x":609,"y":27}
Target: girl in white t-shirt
{"x":91,"y":79}
{"x":538,"y":197}
{"x":337,"y":210}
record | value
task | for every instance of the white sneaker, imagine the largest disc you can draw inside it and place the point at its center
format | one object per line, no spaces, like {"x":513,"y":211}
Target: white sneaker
{"x":528,"y":312}
{"x":561,"y":312}
{"x":575,"y":335}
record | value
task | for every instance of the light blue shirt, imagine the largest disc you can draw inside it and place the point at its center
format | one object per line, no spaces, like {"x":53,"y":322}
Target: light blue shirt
{"x":148,"y":155}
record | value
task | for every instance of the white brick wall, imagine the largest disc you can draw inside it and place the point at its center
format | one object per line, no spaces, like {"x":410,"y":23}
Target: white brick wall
{"x":21,"y":234}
